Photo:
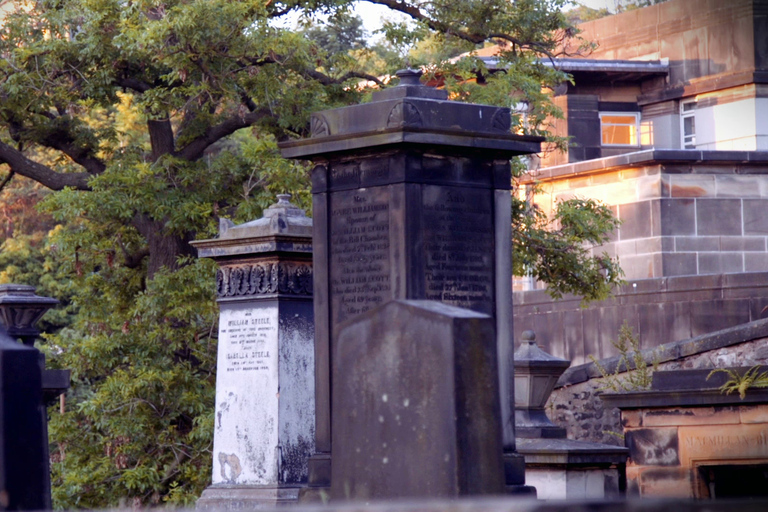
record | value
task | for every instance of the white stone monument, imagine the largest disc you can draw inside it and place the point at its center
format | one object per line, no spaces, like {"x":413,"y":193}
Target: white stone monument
{"x":264,"y":425}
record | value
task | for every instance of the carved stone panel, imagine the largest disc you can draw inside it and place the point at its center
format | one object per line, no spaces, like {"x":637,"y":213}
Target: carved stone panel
{"x":359,"y":251}
{"x":459,"y":246}
{"x":264,"y":278}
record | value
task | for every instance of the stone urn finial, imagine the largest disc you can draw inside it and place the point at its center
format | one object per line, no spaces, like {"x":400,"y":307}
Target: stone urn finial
{"x":536,"y":374}
{"x":21,"y":309}
{"x":409,"y":76}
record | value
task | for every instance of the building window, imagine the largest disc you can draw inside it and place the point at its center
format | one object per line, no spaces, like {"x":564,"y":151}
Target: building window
{"x":619,"y":128}
{"x":688,"y":124}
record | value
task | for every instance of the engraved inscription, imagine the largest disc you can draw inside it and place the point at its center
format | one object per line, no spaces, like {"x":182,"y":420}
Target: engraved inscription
{"x":458,"y":247}
{"x":360,"y":270}
{"x":728,"y":441}
{"x":345,"y":175}
{"x":248,"y":336}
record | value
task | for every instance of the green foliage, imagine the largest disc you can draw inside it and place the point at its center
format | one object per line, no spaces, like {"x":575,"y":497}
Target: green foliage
{"x":341,"y":33}
{"x":582,"y":13}
{"x":742,"y":382}
{"x":631,"y":360}
{"x":139,"y":420}
{"x":557,"y":250}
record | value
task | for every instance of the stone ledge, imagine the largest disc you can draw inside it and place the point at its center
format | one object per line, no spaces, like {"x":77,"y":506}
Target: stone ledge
{"x":673,"y":351}
{"x":649,"y":287}
{"x":682,"y":398}
{"x":655,"y":157}
{"x":570,"y":452}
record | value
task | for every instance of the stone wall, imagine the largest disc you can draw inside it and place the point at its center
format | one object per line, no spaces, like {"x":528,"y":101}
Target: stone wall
{"x":681,"y":212}
{"x":659,"y":311}
{"x":575,"y":406}
{"x":699,"y":37}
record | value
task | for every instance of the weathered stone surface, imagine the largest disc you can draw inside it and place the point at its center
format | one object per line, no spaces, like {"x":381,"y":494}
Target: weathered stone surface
{"x":653,"y":447}
{"x":667,"y":310}
{"x":416,"y":407}
{"x":690,"y":416}
{"x":634,"y":218}
{"x":755,"y":219}
{"x":736,"y":442}
{"x":665,"y":482}
{"x":697,"y":243}
{"x":411,"y":200}
{"x":720,"y":262}
{"x":680,"y":264}
{"x":753,"y":414}
{"x":264,"y":418}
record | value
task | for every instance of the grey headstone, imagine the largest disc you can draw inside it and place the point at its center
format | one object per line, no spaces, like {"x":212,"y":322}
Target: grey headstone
{"x":416,"y":404}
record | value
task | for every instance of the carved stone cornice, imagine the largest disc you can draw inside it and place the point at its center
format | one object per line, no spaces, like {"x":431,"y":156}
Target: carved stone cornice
{"x":264,"y":278}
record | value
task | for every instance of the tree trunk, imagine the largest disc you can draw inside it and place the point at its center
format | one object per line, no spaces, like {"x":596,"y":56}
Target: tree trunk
{"x":164,"y":248}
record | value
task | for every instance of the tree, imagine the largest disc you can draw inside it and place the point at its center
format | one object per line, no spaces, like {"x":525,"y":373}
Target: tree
{"x":582,"y":13}
{"x":152,"y":119}
{"x":340,"y":34}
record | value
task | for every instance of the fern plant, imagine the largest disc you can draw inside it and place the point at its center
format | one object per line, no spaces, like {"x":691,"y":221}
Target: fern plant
{"x":742,"y":382}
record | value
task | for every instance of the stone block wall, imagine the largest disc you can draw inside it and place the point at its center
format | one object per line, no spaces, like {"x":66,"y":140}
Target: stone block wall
{"x":681,"y":212}
{"x":659,"y":311}
{"x":575,"y":404}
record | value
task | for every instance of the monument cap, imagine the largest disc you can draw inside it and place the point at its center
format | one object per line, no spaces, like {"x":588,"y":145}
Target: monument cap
{"x":414,"y":114}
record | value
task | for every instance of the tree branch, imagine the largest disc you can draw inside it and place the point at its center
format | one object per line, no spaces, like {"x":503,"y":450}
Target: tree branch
{"x":328,"y":80}
{"x":133,"y":84}
{"x":472,"y":37}
{"x":81,"y":155}
{"x":6,"y":180}
{"x":160,"y":137}
{"x":42,"y":174}
{"x":197,"y":147}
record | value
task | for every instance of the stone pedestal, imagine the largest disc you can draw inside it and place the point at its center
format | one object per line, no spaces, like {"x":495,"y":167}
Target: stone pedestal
{"x":557,"y":467}
{"x":411,"y":200}
{"x":264,"y":426}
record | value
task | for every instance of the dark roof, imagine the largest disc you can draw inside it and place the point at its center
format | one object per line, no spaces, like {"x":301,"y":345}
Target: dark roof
{"x":599,"y":70}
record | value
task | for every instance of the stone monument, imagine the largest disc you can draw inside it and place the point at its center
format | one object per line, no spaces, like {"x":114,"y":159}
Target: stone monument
{"x":20,"y":310}
{"x":411,"y":200}
{"x":264,"y":425}
{"x":415,"y":404}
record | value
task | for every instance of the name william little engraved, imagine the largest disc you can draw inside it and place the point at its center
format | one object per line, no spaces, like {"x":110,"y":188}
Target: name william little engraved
{"x":246,"y":337}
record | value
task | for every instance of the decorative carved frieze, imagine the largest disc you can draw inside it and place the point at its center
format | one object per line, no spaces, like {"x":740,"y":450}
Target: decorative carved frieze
{"x":264,"y":278}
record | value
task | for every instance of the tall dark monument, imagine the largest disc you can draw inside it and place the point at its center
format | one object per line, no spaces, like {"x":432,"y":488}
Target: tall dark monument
{"x":411,"y":200}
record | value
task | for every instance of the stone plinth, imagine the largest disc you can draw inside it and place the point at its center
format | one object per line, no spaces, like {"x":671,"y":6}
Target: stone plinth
{"x":264,"y":426}
{"x":557,"y":467}
{"x":415,"y":404}
{"x":411,"y":200}
{"x":689,"y":440}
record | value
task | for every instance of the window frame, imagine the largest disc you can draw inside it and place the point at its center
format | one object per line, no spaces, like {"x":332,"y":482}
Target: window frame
{"x":683,"y":116}
{"x":636,"y":115}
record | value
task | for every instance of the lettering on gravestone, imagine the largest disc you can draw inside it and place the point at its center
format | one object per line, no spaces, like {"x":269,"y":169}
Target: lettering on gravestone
{"x":360,"y":268}
{"x":458,"y":247}
{"x":247,"y":335}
